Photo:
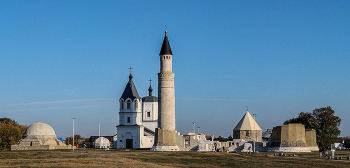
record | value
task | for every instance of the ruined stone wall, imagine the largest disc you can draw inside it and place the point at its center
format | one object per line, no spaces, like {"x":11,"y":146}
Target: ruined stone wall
{"x":296,"y":132}
{"x":276,"y":136}
{"x":189,"y":142}
{"x":310,"y":136}
{"x":291,"y":135}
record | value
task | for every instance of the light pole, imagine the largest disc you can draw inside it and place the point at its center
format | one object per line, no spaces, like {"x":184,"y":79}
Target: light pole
{"x":73,"y":134}
{"x":194,"y":126}
{"x":198,"y":129}
{"x":254,"y":131}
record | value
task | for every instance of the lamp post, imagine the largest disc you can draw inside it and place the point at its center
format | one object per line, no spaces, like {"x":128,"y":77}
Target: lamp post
{"x":73,"y":133}
{"x":254,"y":131}
{"x":194,"y":126}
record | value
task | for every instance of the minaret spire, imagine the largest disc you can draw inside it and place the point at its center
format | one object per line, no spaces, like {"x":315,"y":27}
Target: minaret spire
{"x":165,"y":50}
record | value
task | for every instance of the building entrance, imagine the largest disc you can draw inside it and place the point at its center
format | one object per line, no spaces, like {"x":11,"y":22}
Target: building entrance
{"x":128,"y":143}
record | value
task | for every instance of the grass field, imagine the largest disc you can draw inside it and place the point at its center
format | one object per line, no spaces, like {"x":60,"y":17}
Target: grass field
{"x":143,"y":158}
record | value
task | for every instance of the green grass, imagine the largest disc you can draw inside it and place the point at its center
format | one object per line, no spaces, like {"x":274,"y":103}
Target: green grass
{"x":144,"y":158}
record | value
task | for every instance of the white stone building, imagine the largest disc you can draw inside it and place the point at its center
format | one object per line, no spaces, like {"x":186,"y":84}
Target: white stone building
{"x":39,"y":136}
{"x":137,"y":119}
{"x":101,"y":142}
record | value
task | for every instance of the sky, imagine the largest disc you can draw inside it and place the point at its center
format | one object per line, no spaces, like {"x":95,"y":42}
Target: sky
{"x":69,"y":59}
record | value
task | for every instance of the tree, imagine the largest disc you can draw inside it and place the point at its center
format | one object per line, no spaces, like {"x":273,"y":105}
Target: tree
{"x":10,"y":133}
{"x":304,"y":117}
{"x":220,"y":139}
{"x":326,"y":126}
{"x":229,"y":138}
{"x":323,"y":121}
{"x":69,"y":140}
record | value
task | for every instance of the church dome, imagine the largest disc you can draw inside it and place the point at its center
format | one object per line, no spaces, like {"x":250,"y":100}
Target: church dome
{"x":39,"y":128}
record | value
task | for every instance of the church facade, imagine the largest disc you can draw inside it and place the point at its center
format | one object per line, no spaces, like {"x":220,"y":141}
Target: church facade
{"x":137,"y":118}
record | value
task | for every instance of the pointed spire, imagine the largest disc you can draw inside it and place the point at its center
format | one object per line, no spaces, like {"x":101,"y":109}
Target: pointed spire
{"x":130,"y":89}
{"x":130,"y":76}
{"x":150,"y":87}
{"x":165,"y":50}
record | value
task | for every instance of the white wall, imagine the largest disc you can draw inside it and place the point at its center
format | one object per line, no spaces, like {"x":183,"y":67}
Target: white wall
{"x":128,"y":132}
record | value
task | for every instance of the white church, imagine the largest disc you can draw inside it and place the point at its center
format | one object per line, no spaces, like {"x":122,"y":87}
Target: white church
{"x":138,"y":118}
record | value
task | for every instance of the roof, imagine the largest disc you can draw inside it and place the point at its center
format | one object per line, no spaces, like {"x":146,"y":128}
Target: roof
{"x":101,"y":140}
{"x":150,"y":99}
{"x":39,"y":128}
{"x":93,"y":138}
{"x":130,"y":90}
{"x":247,"y":123}
{"x":267,"y":134}
{"x":165,"y":50}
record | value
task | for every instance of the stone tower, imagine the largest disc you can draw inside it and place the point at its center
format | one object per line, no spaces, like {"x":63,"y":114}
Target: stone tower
{"x":166,"y":95}
{"x":165,"y":139}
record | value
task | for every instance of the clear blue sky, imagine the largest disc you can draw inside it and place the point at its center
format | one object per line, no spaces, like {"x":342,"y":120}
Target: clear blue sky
{"x":64,"y":59}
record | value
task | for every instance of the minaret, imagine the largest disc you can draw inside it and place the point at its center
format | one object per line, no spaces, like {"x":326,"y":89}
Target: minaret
{"x":165,"y":133}
{"x":166,"y":97}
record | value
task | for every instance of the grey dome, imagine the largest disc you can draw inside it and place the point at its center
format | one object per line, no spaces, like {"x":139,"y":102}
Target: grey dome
{"x":39,"y":128}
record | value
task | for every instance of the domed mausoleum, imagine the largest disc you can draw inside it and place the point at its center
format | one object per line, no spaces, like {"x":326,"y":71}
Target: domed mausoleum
{"x":39,"y":136}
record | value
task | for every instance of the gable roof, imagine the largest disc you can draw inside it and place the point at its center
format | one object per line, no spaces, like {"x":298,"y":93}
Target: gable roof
{"x":130,"y":90}
{"x":247,"y":123}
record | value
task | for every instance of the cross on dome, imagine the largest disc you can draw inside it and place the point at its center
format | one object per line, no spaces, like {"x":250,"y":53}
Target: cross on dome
{"x":130,"y":69}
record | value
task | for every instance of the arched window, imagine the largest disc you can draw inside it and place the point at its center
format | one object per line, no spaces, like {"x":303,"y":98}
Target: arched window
{"x":122,"y":104}
{"x":128,"y":104}
{"x":247,"y":133}
{"x":136,"y":104}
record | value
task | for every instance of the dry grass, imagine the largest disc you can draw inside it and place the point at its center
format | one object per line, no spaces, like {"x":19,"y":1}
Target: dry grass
{"x":143,"y":158}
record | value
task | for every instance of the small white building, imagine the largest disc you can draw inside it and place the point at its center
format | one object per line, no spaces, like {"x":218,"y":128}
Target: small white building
{"x":101,"y":142}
